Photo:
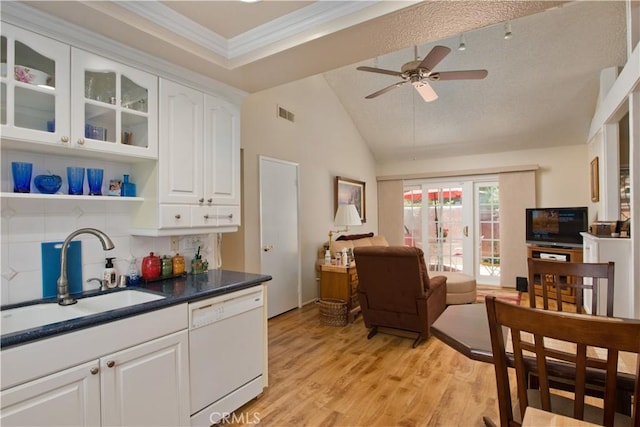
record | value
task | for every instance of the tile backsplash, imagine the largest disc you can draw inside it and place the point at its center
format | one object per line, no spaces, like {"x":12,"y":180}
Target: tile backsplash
{"x":26,"y":223}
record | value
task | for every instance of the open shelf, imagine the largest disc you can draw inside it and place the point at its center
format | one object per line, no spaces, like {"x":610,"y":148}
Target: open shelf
{"x":7,"y":195}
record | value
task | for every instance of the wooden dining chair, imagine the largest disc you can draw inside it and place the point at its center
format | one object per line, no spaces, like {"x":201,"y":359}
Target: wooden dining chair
{"x":543,"y":339}
{"x":555,"y":277}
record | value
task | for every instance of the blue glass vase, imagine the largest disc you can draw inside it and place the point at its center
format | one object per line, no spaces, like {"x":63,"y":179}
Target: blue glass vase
{"x":128,"y":189}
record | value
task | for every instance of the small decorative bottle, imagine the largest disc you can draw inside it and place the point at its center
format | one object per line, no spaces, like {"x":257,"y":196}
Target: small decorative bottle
{"x":128,"y":189}
{"x":327,"y":257}
{"x":134,"y":277}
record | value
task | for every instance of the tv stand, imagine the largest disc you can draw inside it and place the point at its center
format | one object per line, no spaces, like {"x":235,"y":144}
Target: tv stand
{"x":557,"y":254}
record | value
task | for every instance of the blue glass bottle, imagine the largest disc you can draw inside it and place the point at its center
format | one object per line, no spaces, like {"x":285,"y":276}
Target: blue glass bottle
{"x":128,"y":189}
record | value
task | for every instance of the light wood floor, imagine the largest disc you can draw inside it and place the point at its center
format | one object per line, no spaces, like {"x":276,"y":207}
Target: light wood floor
{"x":333,"y":376}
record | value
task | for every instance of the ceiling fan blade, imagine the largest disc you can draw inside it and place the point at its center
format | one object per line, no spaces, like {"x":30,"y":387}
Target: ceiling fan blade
{"x":426,"y":91}
{"x":434,"y":57}
{"x":385,"y":90}
{"x":381,"y":71}
{"x":459,"y":75}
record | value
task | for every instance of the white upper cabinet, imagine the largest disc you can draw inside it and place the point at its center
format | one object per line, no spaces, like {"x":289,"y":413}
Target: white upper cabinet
{"x":34,"y":87}
{"x":199,"y":162}
{"x":114,"y":107}
{"x":57,"y":96}
{"x":181,"y":144}
{"x":221,"y":151}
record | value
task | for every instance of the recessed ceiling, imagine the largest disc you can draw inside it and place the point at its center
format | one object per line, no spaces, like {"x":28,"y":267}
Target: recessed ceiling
{"x":541,"y":89}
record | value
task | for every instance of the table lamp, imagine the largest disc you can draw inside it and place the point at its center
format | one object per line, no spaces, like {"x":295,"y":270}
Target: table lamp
{"x":346,"y":215}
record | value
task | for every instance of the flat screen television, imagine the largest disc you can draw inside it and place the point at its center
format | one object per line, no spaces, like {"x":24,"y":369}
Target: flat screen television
{"x":559,"y":227}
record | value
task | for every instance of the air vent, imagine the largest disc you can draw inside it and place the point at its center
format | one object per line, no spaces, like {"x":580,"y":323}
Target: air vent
{"x":286,"y":114}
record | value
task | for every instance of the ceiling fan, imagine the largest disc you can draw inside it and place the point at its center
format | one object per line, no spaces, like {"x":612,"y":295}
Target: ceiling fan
{"x":418,"y":73}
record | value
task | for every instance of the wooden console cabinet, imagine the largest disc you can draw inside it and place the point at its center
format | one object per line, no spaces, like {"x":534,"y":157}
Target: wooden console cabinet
{"x":560,"y":254}
{"x":339,"y":282}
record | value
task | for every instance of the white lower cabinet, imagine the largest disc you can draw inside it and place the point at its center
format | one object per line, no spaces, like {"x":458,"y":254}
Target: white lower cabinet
{"x":147,"y":385}
{"x":70,"y":397}
{"x":144,"y":385}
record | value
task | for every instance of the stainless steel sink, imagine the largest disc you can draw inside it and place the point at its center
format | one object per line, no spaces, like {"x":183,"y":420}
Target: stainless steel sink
{"x":32,"y":316}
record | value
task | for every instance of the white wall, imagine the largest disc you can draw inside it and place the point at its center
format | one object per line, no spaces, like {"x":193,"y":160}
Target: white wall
{"x":325,"y":143}
{"x":561,"y":180}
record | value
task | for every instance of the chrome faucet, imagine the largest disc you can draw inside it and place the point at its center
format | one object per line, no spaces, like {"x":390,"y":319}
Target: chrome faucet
{"x":63,"y":283}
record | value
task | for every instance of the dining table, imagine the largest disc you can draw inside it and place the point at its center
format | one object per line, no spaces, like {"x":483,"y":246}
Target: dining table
{"x":465,"y":328}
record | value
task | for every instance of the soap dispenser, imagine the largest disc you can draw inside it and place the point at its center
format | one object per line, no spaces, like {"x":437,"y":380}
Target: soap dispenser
{"x":109,"y":275}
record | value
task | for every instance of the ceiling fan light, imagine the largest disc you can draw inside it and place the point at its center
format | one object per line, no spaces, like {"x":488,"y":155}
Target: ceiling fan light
{"x":425,"y":90}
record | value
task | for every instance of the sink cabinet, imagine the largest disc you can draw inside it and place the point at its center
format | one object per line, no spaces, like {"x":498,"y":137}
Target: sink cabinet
{"x":137,"y":386}
{"x":138,"y":379}
{"x":70,"y":397}
{"x":68,"y":98}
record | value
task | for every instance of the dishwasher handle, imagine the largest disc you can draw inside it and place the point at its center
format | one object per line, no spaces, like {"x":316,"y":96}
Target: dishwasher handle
{"x":215,"y":309}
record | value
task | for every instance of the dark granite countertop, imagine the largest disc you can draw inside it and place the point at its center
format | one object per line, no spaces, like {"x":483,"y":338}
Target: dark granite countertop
{"x":176,"y":290}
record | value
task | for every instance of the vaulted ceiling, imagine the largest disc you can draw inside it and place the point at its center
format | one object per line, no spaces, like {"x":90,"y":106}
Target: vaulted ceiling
{"x":540,"y":91}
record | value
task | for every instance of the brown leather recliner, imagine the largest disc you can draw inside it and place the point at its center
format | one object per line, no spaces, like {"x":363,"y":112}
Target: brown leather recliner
{"x":395,"y":290}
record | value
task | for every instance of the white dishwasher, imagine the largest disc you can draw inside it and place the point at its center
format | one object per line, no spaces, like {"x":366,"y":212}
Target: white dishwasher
{"x":226,"y":353}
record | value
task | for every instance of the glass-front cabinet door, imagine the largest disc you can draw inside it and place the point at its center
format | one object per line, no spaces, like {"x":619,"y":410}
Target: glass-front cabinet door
{"x":34,"y":80}
{"x":114,"y":107}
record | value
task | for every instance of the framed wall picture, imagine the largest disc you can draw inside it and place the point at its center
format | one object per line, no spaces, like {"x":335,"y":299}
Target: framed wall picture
{"x":595,"y":187}
{"x":350,"y":192}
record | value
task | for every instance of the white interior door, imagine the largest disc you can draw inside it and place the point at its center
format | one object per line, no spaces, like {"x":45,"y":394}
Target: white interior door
{"x":280,"y":245}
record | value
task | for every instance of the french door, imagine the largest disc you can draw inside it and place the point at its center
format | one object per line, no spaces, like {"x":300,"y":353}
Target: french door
{"x":456,"y":223}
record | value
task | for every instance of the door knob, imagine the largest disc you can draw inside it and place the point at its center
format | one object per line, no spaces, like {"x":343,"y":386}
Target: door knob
{"x":267,"y":248}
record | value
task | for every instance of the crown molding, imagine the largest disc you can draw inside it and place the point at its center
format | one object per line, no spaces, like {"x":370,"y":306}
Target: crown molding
{"x":298,"y":27}
{"x":22,"y":15}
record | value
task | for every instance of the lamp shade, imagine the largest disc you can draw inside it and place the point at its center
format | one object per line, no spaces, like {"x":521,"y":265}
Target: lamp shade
{"x":347,"y":215}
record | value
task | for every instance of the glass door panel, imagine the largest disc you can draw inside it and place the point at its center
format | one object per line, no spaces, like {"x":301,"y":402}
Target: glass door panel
{"x":34,"y":110}
{"x":413,"y":216}
{"x":100,"y":122}
{"x":100,"y":86}
{"x":443,"y":226}
{"x":3,"y":103}
{"x":134,"y":130}
{"x":488,"y":214}
{"x":134,"y":96}
{"x":3,"y":56}
{"x":32,"y":67}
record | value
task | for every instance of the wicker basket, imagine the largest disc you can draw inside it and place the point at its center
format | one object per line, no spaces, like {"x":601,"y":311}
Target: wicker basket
{"x":333,"y":312}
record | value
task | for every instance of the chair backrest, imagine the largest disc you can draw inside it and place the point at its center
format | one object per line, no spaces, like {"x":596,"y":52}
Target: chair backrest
{"x":554,"y":276}
{"x":573,"y":339}
{"x":392,"y":277}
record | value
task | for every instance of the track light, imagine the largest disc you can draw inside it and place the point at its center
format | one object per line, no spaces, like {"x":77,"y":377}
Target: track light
{"x":462,"y":46}
{"x":507,"y":30}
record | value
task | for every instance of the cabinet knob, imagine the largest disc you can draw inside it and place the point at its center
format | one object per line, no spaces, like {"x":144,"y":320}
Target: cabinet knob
{"x":201,"y":200}
{"x":111,"y":363}
{"x":177,"y":216}
{"x":94,"y":371}
{"x":206,"y":216}
{"x":64,"y":139}
{"x":81,"y":141}
{"x":209,"y":200}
